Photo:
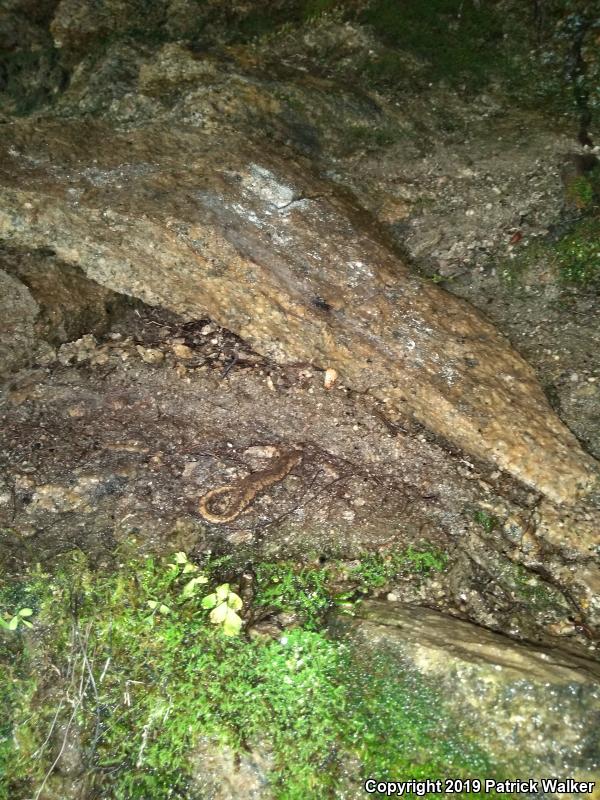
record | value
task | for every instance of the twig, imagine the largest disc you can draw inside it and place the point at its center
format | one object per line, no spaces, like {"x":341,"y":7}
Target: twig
{"x":230,"y":366}
{"x":88,"y":666}
{"x":104,"y":670}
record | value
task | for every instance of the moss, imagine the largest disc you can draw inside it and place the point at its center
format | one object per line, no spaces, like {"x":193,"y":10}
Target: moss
{"x":375,"y":571}
{"x":30,"y":78}
{"x":488,"y":522}
{"x":529,"y":588}
{"x":372,"y":136}
{"x":316,"y":8}
{"x":581,"y":191}
{"x":456,"y":40}
{"x":575,"y":256}
{"x":303,"y":592}
{"x":165,"y":682}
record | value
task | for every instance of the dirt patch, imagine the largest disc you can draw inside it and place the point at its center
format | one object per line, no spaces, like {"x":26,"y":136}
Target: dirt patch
{"x":116,"y":441}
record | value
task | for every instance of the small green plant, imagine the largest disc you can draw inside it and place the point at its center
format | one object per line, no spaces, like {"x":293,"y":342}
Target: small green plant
{"x":225,"y":604}
{"x":183,"y":566}
{"x":488,"y":522}
{"x":302,"y":592}
{"x":575,"y":257}
{"x":375,"y":571}
{"x":578,"y":253}
{"x":581,"y":191}
{"x":157,"y":608}
{"x":159,"y":691}
{"x":12,"y":622}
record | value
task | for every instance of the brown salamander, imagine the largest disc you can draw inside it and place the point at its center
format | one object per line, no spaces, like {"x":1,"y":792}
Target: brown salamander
{"x":226,"y":503}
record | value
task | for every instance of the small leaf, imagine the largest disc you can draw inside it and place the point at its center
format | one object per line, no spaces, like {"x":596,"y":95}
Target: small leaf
{"x":164,"y":609}
{"x":181,"y":558}
{"x":210,"y":601}
{"x":218,"y":614}
{"x":222,"y":591}
{"x":153,"y":604}
{"x":232,"y":624}
{"x":27,"y":623}
{"x":12,"y":625}
{"x":190,"y":568}
{"x":189,"y":590}
{"x":234,"y":601}
{"x":25,"y":612}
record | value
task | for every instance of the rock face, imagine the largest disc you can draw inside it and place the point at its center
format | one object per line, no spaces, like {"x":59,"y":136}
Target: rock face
{"x":251,"y":237}
{"x":545,"y":705}
{"x":18,"y":311}
{"x":44,"y":303}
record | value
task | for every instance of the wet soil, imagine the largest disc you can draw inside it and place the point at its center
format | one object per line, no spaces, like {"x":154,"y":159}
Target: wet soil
{"x":111,"y":446}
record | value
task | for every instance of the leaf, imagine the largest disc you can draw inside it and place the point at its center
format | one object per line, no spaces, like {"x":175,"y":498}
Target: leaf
{"x":190,"y":568}
{"x":222,"y":591}
{"x":189,"y":590}
{"x":218,"y":614}
{"x":181,"y":557}
{"x":27,"y":623}
{"x":153,"y":604}
{"x":232,"y":624}
{"x":12,"y":625}
{"x":25,"y":612}
{"x":234,"y":601}
{"x":163,"y":609}
{"x":210,"y":601}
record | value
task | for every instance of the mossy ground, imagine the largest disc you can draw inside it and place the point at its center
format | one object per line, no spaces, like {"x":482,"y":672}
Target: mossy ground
{"x":457,"y":41}
{"x":574,"y":257}
{"x":138,"y":669}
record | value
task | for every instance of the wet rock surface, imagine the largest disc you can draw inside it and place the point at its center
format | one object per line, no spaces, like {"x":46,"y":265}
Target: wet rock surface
{"x":19,"y":311}
{"x":250,"y":238}
{"x":483,"y":676}
{"x":222,"y":775}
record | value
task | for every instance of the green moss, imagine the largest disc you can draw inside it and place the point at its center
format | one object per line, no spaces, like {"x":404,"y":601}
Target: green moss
{"x":575,"y":257}
{"x":316,"y":8}
{"x":455,"y":39}
{"x":303,"y":592}
{"x":374,"y":571}
{"x":392,"y":745}
{"x":581,"y":191}
{"x":578,"y":253}
{"x":529,"y":588}
{"x":167,"y":682}
{"x":30,"y":77}
{"x":487,"y":521}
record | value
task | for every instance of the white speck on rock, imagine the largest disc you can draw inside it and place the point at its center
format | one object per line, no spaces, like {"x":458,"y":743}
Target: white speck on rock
{"x":263,"y":183}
